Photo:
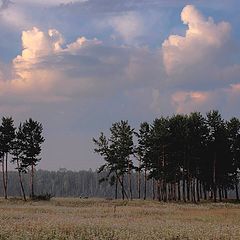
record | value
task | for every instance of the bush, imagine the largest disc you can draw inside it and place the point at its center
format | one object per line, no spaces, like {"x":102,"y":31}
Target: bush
{"x":42,"y":197}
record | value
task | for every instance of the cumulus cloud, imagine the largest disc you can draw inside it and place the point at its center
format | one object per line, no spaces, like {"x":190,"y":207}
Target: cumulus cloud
{"x":203,"y":38}
{"x":201,"y":72}
{"x":88,"y":83}
{"x":48,"y":69}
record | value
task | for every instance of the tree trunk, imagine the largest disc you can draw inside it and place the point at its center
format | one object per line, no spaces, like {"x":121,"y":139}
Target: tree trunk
{"x":116,"y":187}
{"x":153,"y":189}
{"x":214,"y":178}
{"x":139,"y":182}
{"x":236,"y":189}
{"x":198,"y":193}
{"x":179,"y":190}
{"x":145,"y":183}
{"x":226,"y":193}
{"x":21,"y":182}
{"x":204,"y":191}
{"x":6,"y":176}
{"x":193,"y":188}
{"x":183,"y":190}
{"x":32,"y":184}
{"x":129,"y":180}
{"x":220,"y":194}
{"x":188,"y":187}
{"x":3,"y":177}
{"x":158,"y":190}
{"x":201,"y":189}
{"x":124,"y":194}
{"x":175,"y":191}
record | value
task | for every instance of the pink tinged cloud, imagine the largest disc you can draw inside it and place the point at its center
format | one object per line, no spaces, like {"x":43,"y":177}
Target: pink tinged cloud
{"x":185,"y":102}
{"x":33,"y":77}
{"x":202,"y":36}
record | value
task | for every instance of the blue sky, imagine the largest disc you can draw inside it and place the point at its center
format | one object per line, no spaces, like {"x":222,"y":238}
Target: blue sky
{"x":79,"y":66}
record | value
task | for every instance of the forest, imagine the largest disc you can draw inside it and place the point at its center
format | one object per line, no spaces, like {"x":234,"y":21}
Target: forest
{"x":186,"y":157}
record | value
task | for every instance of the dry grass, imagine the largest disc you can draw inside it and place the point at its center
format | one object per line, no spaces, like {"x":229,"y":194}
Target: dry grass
{"x":102,"y":219}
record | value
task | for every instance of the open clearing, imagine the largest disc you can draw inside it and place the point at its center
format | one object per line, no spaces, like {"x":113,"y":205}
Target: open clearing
{"x":103,"y":219}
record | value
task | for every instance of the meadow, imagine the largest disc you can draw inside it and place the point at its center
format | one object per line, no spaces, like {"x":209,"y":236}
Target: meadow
{"x":69,"y":218}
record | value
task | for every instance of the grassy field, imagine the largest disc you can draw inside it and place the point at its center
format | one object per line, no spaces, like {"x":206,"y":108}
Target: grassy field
{"x":103,"y":219}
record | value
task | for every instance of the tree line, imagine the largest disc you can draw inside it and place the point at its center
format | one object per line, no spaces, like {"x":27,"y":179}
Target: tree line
{"x":68,"y":183}
{"x":23,"y":145}
{"x":185,"y":157}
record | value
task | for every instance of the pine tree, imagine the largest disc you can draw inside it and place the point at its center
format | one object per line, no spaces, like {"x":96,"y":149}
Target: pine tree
{"x":233,"y":127}
{"x":7,"y":135}
{"x":142,"y":153}
{"x":18,"y":157}
{"x":32,"y":135}
{"x":116,"y":152}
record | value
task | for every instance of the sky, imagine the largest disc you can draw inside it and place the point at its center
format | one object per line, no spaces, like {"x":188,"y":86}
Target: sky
{"x":78,"y":66}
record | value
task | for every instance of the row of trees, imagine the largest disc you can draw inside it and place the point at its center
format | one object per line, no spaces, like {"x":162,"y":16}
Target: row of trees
{"x":67,"y":183}
{"x":186,"y":157}
{"x":23,"y":144}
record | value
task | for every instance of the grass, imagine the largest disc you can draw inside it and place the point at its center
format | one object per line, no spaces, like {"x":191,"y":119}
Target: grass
{"x":120,"y":220}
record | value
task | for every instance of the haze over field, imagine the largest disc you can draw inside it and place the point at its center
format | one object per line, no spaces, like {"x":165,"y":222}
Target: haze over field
{"x":78,"y":66}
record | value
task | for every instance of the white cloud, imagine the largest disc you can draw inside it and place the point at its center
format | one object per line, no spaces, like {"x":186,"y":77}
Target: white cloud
{"x":86,"y":84}
{"x":15,"y":17}
{"x":50,"y":70}
{"x":129,"y":26}
{"x":203,"y":39}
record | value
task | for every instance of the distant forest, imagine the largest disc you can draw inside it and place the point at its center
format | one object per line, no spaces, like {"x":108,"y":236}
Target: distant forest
{"x":65,"y":183}
{"x":187,"y":157}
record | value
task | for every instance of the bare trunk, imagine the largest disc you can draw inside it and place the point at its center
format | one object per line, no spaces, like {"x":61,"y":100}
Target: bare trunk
{"x":204,"y":191}
{"x":21,"y":182}
{"x":153,"y":189}
{"x":220,"y":194}
{"x":214,"y":178}
{"x":175,"y":191}
{"x":198,"y":193}
{"x":145,"y":183}
{"x":179,"y":190}
{"x":139,"y":182}
{"x":32,"y":184}
{"x":124,"y":194}
{"x":183,"y":189}
{"x":158,"y":190}
{"x":236,"y":189}
{"x":3,"y":177}
{"x":116,"y":187}
{"x":6,"y":176}
{"x":201,"y":190}
{"x":226,"y":193}
{"x":129,"y":179}
{"x":194,"y":190}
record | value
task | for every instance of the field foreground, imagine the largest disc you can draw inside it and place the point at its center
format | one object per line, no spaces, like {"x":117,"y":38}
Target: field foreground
{"x":103,"y":219}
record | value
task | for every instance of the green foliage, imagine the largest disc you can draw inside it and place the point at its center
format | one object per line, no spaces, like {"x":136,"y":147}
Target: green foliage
{"x":24,"y":145}
{"x":7,"y":134}
{"x":187,"y":150}
{"x":32,"y":139}
{"x":116,"y":151}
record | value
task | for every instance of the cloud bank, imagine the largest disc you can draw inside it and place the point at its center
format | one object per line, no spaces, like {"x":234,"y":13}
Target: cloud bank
{"x":83,"y":82}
